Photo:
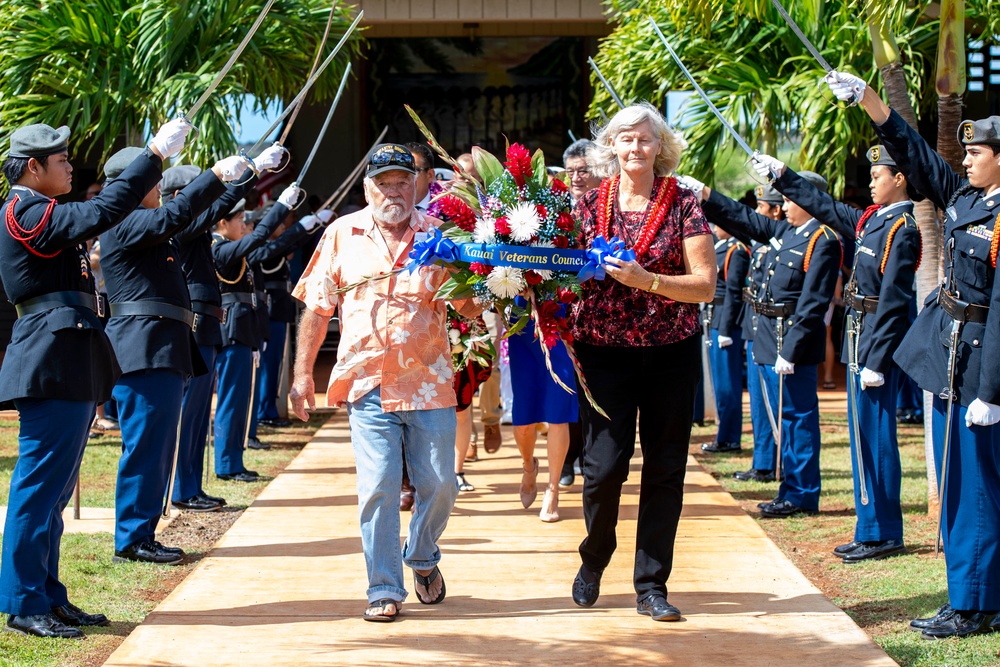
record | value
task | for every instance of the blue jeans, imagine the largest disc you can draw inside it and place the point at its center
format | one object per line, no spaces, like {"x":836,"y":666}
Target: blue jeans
{"x":378,"y":439}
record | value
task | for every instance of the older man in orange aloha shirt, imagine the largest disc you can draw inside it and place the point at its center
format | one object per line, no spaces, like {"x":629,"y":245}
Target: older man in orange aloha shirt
{"x":393,"y":373}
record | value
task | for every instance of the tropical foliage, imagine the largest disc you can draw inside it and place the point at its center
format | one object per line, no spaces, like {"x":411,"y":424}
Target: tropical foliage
{"x":111,"y":69}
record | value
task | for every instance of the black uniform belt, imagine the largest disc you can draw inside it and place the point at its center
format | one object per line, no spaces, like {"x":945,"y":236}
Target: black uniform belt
{"x":152,"y":309}
{"x":748,"y":295}
{"x":210,"y":309}
{"x":237,"y":297}
{"x":962,"y":310}
{"x":862,"y":304}
{"x":718,"y":301}
{"x":57,"y":300}
{"x":276,"y":284}
{"x":772,"y":309}
{"x":262,"y":297}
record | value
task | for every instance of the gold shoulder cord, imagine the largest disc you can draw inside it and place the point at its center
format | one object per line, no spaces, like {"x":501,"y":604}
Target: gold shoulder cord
{"x":243,"y":270}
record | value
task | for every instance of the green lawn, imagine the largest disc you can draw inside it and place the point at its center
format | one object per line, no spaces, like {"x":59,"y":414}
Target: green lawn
{"x":881,"y":596}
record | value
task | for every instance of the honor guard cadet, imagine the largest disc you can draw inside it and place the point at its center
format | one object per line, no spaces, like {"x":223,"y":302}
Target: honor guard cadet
{"x":725,"y":354}
{"x":790,"y":342}
{"x":951,"y":351}
{"x":271,"y":271}
{"x":886,"y":256}
{"x":231,"y":244}
{"x":150,"y":330}
{"x":59,"y":363}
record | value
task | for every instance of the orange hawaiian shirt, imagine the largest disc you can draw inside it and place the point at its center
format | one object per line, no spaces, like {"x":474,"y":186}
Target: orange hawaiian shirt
{"x":393,"y":333}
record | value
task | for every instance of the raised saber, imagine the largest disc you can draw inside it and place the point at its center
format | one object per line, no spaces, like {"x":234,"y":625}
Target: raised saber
{"x":802,"y":38}
{"x":607,"y":86}
{"x":196,"y":107}
{"x":319,"y":54}
{"x":326,"y":124}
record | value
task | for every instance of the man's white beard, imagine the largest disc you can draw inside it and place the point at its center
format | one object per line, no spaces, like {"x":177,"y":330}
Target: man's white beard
{"x":392,"y":212}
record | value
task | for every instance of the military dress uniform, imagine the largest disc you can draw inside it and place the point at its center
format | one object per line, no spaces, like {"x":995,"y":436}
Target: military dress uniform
{"x":969,"y":301}
{"x":726,"y":363}
{"x":798,"y":284}
{"x":762,"y":468}
{"x":150,"y":329}
{"x":241,"y":335}
{"x":886,"y":256}
{"x":194,"y":246}
{"x":59,"y":363}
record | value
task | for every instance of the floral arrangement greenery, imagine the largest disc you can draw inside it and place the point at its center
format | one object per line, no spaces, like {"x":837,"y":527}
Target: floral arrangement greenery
{"x":470,"y":341}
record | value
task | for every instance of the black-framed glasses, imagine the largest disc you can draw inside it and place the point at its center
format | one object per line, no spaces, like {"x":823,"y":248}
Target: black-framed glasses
{"x":396,"y":156}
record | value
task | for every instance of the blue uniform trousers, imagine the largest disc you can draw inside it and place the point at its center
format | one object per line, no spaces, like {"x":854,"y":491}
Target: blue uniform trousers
{"x":270,"y":373}
{"x":800,"y":435}
{"x":234,"y":366}
{"x":51,"y":441}
{"x":727,"y":379}
{"x":882,"y":518}
{"x":196,"y":410}
{"x":970,"y":525}
{"x":149,"y":407}
{"x":910,"y":396}
{"x":763,"y":436}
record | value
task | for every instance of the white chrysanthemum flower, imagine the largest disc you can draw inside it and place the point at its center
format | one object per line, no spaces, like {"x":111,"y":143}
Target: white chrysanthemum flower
{"x":454,"y":335}
{"x":505,"y":281}
{"x":524,"y":222}
{"x":542,"y":243}
{"x":484,"y":231}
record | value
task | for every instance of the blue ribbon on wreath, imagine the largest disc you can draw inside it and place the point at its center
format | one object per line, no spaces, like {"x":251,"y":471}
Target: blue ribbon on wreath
{"x":434,"y":248}
{"x":597,"y":256}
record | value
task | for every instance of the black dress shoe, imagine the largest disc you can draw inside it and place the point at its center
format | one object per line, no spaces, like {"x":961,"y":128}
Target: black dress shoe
{"x":70,"y":614}
{"x":197,"y":504}
{"x":656,"y":607}
{"x":960,"y":624}
{"x":254,"y":443}
{"x":764,"y":503}
{"x":214,"y":499}
{"x":845,"y":549}
{"x":781,"y":509}
{"x":149,"y":552}
{"x":566,"y":481}
{"x":754,"y":475}
{"x":275,"y":423}
{"x":716,"y":447}
{"x":245,"y":476}
{"x":875,"y":551}
{"x":943,"y":613}
{"x":42,"y":625}
{"x":585,"y":593}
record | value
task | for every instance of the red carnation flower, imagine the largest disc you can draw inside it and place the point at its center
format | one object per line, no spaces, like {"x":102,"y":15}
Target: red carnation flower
{"x":565,"y":222}
{"x":542,"y":212}
{"x":558,"y":186}
{"x":566,"y":295}
{"x":457,"y":211}
{"x":480,"y":269}
{"x":518,"y":163}
{"x":560,"y":241}
{"x":502,"y":226}
{"x":532,"y":278}
{"x":463,"y":327}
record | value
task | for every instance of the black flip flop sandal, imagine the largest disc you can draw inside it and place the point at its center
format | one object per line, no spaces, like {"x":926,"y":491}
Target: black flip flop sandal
{"x":421,"y":580}
{"x":381,"y":604}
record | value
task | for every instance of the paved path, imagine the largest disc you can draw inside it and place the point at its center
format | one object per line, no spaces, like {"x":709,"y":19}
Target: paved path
{"x":285,"y":586}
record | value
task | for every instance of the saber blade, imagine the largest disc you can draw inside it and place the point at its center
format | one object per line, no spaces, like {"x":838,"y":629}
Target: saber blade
{"x":326,"y":124}
{"x":739,"y":140}
{"x":607,"y":86}
{"x":229,"y":64}
{"x":802,"y":38}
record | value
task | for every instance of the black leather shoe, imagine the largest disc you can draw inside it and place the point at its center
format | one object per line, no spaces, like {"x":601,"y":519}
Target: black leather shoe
{"x":764,"y":503}
{"x":656,"y":607}
{"x":875,"y":551}
{"x":943,"y":613}
{"x":566,"y":481}
{"x":245,"y":476}
{"x":149,"y":552}
{"x":197,"y":504}
{"x":42,"y":625}
{"x":754,"y":475}
{"x":214,"y":499}
{"x":716,"y":447}
{"x":72,"y":615}
{"x":960,"y":624}
{"x":585,"y":593}
{"x":845,"y":549}
{"x":781,"y":509}
{"x":169,"y":550}
{"x":275,"y":423}
{"x":254,"y":443}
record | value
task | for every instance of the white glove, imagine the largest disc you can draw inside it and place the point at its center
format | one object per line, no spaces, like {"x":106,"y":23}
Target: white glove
{"x":782,"y":367}
{"x":870,"y":378}
{"x":325,"y":216}
{"x":981,"y":413}
{"x":310,"y":222}
{"x":231,"y":168}
{"x":692,"y":184}
{"x":270,"y":158}
{"x":725,"y":341}
{"x":290,"y":196}
{"x":255,"y":355}
{"x":845,"y":87}
{"x":170,"y":137}
{"x":767,"y":166}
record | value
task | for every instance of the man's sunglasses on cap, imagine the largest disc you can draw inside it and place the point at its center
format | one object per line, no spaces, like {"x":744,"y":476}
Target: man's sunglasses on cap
{"x":391,"y":156}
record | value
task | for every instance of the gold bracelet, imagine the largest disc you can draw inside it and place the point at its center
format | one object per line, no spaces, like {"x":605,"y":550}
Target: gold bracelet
{"x":656,"y":282}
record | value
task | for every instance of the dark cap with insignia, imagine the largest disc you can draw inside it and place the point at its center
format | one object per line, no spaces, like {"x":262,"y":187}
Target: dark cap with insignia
{"x":178,"y":178}
{"x":815,"y":179}
{"x":38,"y":141}
{"x":388,"y":157}
{"x":985,"y":131}
{"x":120,"y":161}
{"x":767,"y":193}
{"x":239,"y":206}
{"x":879,"y":157}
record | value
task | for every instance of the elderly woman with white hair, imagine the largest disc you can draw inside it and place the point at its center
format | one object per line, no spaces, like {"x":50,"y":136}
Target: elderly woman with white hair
{"x":636,"y":339}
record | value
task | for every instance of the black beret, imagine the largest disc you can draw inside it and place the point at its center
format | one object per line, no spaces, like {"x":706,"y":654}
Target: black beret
{"x":767,"y":193}
{"x":178,"y":178}
{"x":38,"y":140}
{"x":120,"y":161}
{"x":985,"y":131}
{"x":818,"y":181}
{"x":879,"y":156}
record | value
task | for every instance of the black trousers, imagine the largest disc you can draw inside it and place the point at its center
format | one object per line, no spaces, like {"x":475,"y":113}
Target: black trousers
{"x":657,"y":384}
